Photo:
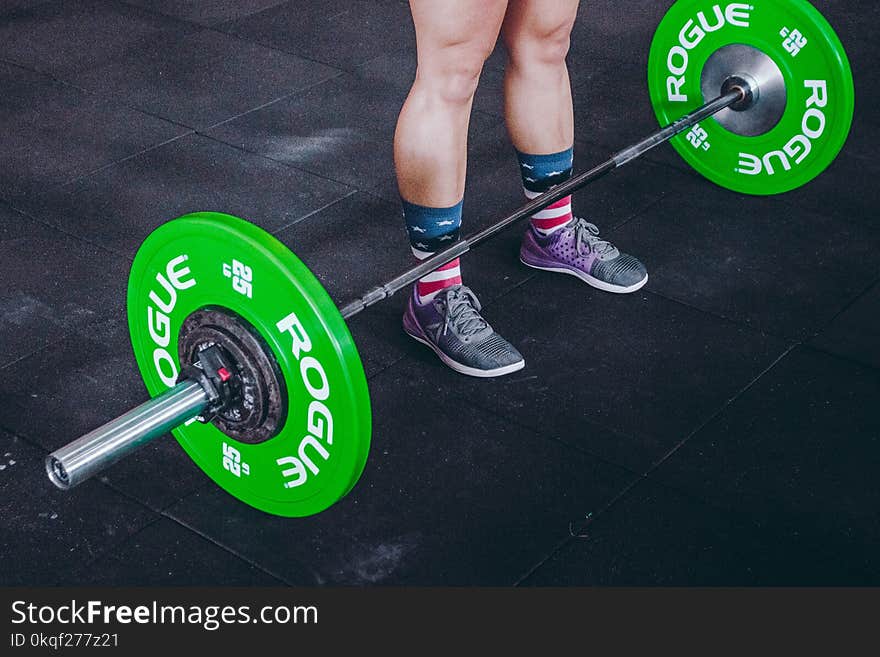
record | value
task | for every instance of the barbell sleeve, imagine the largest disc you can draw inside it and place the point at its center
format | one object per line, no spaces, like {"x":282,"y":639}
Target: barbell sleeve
{"x":101,"y":448}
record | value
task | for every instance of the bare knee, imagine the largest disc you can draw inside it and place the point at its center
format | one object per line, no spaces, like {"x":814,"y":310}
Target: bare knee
{"x":544,"y":46}
{"x":453,"y":73}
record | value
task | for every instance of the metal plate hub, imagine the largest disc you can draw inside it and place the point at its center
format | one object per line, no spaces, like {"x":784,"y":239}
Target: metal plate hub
{"x":258,"y":407}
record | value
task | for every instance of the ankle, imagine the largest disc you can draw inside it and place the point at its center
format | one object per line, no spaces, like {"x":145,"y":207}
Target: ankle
{"x":430,"y":286}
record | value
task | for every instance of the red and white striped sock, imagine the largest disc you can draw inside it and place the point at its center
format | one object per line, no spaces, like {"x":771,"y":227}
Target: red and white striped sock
{"x":551,"y":218}
{"x":429,"y":286}
{"x":541,"y":173}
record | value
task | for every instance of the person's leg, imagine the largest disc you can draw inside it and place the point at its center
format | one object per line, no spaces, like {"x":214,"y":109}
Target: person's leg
{"x":453,"y":40}
{"x":537,"y":91}
{"x":537,"y":99}
{"x":539,"y":115}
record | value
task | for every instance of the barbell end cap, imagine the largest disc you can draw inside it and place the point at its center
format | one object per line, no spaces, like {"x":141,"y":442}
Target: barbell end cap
{"x":57,"y":473}
{"x":747,"y":86}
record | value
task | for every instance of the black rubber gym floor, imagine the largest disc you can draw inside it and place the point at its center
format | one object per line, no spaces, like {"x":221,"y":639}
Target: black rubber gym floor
{"x":719,"y":427}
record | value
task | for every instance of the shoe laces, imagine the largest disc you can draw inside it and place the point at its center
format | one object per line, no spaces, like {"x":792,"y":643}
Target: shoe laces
{"x":461,"y":310}
{"x":588,"y":241}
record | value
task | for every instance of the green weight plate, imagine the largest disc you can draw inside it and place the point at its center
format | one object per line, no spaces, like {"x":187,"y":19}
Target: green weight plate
{"x":215,"y":260}
{"x":791,"y":134}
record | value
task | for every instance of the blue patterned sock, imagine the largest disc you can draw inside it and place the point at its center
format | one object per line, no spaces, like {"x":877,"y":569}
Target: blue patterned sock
{"x":431,"y":230}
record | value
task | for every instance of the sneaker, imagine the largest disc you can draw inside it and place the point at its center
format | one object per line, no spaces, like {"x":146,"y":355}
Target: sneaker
{"x":577,"y":249}
{"x":452,"y":326}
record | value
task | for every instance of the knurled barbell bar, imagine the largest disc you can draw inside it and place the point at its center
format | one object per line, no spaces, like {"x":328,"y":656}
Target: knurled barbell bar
{"x":250,"y":362}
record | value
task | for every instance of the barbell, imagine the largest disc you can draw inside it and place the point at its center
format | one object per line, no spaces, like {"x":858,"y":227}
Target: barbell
{"x":251,"y":365}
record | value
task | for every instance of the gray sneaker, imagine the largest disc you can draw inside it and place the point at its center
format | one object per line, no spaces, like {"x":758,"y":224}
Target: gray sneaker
{"x":452,"y":326}
{"x":577,"y":249}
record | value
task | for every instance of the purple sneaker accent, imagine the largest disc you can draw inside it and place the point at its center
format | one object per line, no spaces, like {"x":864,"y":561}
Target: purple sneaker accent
{"x":451,"y":325}
{"x":578,"y":250}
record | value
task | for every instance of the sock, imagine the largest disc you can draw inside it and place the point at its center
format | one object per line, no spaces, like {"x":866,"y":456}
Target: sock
{"x":431,"y":230}
{"x":540,"y":173}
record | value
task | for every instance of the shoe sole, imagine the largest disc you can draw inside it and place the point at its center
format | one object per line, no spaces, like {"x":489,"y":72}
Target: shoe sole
{"x":589,"y":280}
{"x":458,"y":367}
